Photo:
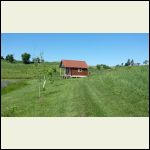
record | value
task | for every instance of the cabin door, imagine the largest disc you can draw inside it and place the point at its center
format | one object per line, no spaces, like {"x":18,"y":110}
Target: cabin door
{"x":67,"y":71}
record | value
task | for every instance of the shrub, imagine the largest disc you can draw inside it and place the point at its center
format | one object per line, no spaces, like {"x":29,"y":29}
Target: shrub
{"x":106,"y":67}
{"x":98,"y":67}
{"x":36,"y":60}
{"x":146,"y":62}
{"x":10,"y":58}
{"x":102,"y":66}
{"x":118,"y":66}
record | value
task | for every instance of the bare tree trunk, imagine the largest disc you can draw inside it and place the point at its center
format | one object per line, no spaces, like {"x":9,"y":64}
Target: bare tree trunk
{"x":44,"y":82}
{"x":39,"y":91}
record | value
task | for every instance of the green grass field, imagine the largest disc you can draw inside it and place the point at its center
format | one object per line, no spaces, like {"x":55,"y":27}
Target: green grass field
{"x":121,"y":92}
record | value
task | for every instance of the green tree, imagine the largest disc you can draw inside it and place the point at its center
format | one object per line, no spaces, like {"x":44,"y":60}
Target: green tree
{"x":106,"y":67}
{"x":2,"y":57}
{"x":26,"y":58}
{"x":138,"y":64}
{"x":128,"y":63}
{"x":118,"y":65}
{"x":43,"y":74}
{"x":10,"y":58}
{"x":102,"y":66}
{"x":146,"y":62}
{"x":36,"y":60}
{"x":132,"y":62}
{"x":41,"y":57}
{"x":98,"y":67}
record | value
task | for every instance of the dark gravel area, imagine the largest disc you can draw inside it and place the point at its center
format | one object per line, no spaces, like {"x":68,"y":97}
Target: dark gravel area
{"x":4,"y":83}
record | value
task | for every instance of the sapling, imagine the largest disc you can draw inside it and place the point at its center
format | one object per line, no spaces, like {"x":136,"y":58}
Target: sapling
{"x":43,"y":73}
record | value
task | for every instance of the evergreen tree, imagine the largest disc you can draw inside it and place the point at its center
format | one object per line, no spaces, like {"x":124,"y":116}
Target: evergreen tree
{"x":132,"y":62}
{"x":128,"y":63}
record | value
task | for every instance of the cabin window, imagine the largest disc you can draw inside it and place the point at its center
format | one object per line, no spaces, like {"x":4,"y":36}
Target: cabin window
{"x":80,"y":70}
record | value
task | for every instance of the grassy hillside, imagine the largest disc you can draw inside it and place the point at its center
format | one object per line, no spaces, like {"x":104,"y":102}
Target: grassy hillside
{"x":116,"y":92}
{"x":19,"y":70}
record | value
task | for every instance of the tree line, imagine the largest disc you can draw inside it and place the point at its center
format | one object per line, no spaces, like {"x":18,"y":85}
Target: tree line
{"x":130,"y":62}
{"x":25,"y":58}
{"x":102,"y":66}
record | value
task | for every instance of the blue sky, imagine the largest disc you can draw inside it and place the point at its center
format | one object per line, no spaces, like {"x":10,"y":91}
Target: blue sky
{"x":95,"y":48}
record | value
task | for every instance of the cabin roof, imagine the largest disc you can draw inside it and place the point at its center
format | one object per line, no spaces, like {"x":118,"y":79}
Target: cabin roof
{"x":73,"y":64}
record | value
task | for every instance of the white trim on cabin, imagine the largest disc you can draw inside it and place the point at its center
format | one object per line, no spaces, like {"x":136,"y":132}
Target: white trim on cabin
{"x":78,"y":76}
{"x":75,"y":76}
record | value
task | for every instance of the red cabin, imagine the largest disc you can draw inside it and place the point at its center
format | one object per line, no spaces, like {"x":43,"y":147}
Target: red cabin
{"x":73,"y":68}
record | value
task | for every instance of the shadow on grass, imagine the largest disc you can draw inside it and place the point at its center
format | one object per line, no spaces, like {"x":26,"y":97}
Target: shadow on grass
{"x":13,"y":86}
{"x":50,"y":93}
{"x":57,"y":85}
